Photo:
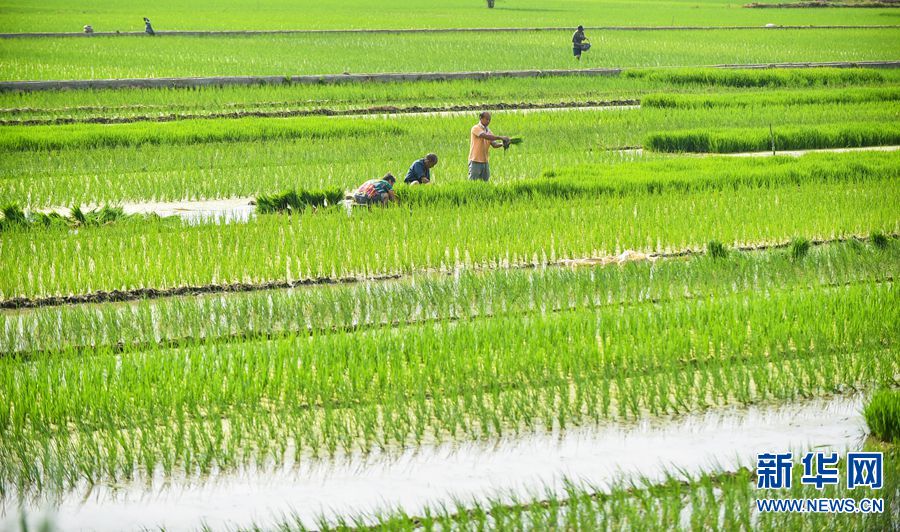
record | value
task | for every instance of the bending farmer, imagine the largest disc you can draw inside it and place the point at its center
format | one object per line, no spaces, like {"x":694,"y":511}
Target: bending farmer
{"x":481,"y":140}
{"x":420,"y":171}
{"x":376,"y":191}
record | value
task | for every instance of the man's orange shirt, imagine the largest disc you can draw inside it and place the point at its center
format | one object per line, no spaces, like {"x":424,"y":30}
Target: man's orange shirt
{"x":479,"y":147}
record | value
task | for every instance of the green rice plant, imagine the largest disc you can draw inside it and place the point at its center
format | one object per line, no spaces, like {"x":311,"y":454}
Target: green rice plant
{"x":56,"y":15}
{"x":768,"y":78}
{"x":882,"y":413}
{"x":754,"y":99}
{"x":716,"y":249}
{"x":708,"y":500}
{"x":799,"y":248}
{"x":15,"y":218}
{"x":184,"y":132}
{"x":785,"y":138}
{"x":294,"y":201}
{"x":247,"y":157}
{"x":328,"y":244}
{"x":493,"y":93}
{"x":879,"y":240}
{"x":350,"y":391}
{"x":240,"y":317}
{"x":311,"y":54}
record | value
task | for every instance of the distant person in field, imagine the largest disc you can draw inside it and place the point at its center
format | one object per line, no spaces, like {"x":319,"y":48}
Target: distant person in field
{"x":89,"y":29}
{"x":481,"y":140}
{"x":420,"y":171}
{"x":578,"y":40}
{"x":147,"y":27}
{"x":376,"y":191}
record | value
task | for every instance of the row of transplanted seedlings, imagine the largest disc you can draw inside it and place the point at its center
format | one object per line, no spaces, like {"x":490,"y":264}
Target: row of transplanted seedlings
{"x":483,"y":235}
{"x":281,"y":55}
{"x":781,"y":87}
{"x":437,"y":298}
{"x":68,"y":417}
{"x":712,"y":501}
{"x":93,"y":163}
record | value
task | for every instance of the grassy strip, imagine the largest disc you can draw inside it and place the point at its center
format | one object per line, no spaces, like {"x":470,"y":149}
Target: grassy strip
{"x":759,"y":78}
{"x":297,"y":201}
{"x":654,"y":177}
{"x":282,"y":55}
{"x":752,"y":99}
{"x":329,"y":244}
{"x":882,"y":414}
{"x":12,"y":218}
{"x":154,"y":104}
{"x":441,"y":381}
{"x":781,"y":138}
{"x":185,"y":133}
{"x":468,"y":295}
{"x":57,"y":15}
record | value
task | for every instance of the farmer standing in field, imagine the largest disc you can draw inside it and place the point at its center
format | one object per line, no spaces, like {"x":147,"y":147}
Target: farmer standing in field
{"x":147,"y":27}
{"x":420,"y":171}
{"x":376,"y":191}
{"x":481,"y":140}
{"x":578,"y":39}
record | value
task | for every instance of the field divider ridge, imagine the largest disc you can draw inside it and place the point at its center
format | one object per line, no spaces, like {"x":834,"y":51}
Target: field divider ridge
{"x":357,"y":31}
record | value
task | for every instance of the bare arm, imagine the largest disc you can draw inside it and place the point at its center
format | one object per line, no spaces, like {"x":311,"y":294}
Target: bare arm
{"x":492,"y":138}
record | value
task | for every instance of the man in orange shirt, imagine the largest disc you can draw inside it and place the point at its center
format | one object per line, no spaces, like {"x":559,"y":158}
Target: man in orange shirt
{"x":481,"y":140}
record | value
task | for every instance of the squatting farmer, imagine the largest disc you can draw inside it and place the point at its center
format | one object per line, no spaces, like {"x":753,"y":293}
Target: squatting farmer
{"x":376,"y":191}
{"x":420,"y":171}
{"x":481,"y":141}
{"x":147,"y":27}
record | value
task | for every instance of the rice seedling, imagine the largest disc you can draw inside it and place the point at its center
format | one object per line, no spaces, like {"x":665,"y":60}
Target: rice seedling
{"x":57,"y":15}
{"x":467,"y":295}
{"x":247,"y":157}
{"x":283,"y":55}
{"x":716,"y":249}
{"x":345,"y":391}
{"x":879,"y":240}
{"x":882,"y":414}
{"x":711,"y":500}
{"x":802,"y":87}
{"x":15,"y":218}
{"x":799,"y":248}
{"x":785,"y":138}
{"x":326,"y":244}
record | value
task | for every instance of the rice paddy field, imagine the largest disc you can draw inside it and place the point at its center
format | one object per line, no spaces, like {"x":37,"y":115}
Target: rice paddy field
{"x":677,"y":269}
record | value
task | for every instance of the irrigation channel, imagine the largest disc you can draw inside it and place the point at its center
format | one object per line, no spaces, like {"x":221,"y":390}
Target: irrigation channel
{"x":788,"y":153}
{"x":599,"y":456}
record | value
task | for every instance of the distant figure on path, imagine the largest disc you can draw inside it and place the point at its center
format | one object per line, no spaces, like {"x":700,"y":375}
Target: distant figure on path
{"x":420,"y":171}
{"x":481,"y":140}
{"x":376,"y":191}
{"x":88,"y":29}
{"x":578,"y":40}
{"x":147,"y":27}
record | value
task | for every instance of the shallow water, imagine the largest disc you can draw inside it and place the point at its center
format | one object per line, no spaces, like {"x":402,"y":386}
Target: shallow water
{"x":601,"y":455}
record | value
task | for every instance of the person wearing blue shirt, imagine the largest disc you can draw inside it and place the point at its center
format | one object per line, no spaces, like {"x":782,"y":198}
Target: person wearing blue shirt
{"x":420,"y":171}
